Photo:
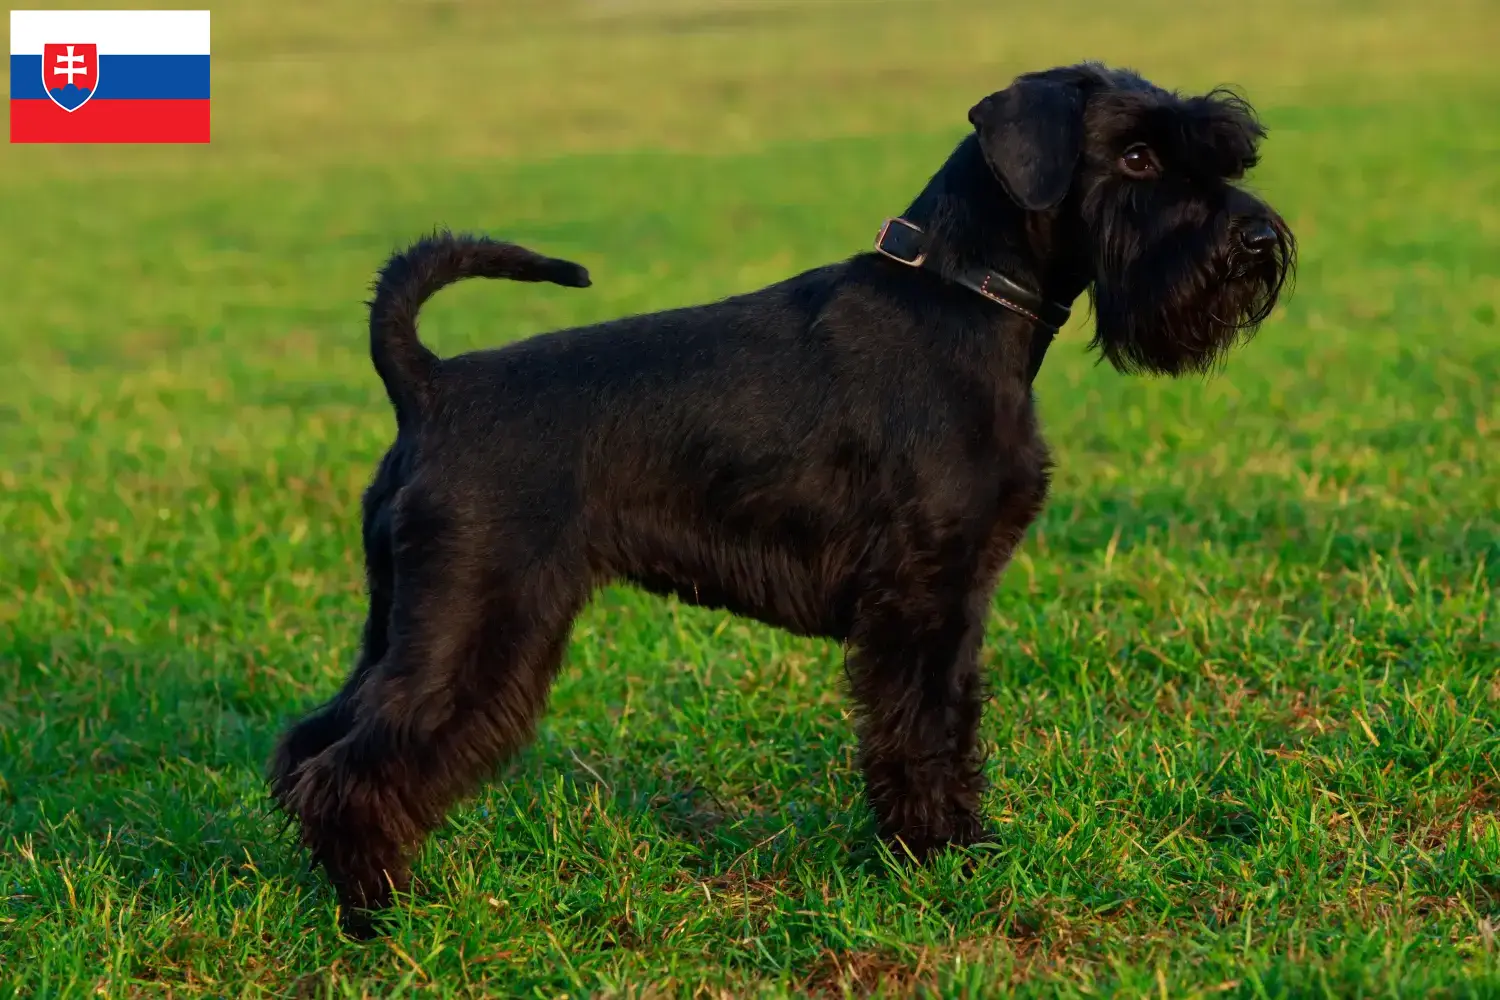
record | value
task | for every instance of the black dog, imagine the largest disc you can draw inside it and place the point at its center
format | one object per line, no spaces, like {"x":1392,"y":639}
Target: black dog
{"x":852,"y":453}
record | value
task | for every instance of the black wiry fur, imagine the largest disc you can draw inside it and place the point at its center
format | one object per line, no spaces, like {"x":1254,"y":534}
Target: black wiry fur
{"x":851,"y":453}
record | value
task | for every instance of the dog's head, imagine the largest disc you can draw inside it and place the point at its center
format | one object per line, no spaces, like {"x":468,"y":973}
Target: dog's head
{"x":1183,"y":262}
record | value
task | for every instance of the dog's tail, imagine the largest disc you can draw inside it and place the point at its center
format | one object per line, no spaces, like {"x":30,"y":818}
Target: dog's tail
{"x":411,"y":277}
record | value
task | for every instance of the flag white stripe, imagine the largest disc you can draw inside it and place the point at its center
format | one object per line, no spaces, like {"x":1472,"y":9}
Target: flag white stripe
{"x":116,"y":32}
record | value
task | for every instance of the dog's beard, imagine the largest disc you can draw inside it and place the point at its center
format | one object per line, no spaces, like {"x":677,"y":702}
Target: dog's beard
{"x":1178,"y":307}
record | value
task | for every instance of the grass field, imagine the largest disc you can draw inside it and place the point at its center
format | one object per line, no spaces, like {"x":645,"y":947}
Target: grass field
{"x":1246,"y":678}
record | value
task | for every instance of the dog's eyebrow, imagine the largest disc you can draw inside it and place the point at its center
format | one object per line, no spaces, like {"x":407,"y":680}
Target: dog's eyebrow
{"x":1211,"y":142}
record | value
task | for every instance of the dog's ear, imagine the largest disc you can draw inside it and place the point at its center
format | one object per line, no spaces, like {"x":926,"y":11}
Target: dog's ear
{"x":1032,"y":134}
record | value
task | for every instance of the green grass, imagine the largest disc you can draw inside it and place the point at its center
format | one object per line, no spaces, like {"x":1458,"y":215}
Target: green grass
{"x":1245,"y":669}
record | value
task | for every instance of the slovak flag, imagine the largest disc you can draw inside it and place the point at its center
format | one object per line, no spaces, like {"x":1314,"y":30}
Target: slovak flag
{"x":109,"y":76}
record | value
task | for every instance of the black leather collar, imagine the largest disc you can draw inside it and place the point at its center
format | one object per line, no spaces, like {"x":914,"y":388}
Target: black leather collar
{"x":905,"y":243}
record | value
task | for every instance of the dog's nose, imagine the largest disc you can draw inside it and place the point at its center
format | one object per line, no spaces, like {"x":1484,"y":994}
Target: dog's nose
{"x":1259,"y":237}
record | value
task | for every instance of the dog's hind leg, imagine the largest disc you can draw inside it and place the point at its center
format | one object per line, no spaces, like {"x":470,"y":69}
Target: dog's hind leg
{"x":474,"y":649}
{"x":915,"y":677}
{"x":330,"y":722}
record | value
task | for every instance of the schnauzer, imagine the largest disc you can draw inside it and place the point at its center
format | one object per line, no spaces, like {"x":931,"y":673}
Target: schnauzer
{"x":852,"y":453}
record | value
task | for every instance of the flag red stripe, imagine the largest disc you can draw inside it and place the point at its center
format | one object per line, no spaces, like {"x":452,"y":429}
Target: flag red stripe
{"x":110,"y":121}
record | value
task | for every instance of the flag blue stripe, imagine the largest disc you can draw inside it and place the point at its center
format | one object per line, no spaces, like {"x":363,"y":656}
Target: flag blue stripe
{"x":123,"y":78}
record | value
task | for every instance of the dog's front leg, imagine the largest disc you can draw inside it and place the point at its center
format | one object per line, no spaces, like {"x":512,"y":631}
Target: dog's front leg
{"x":919,"y":698}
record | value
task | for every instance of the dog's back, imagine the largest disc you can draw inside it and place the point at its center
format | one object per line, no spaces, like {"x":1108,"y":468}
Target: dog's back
{"x":746,"y":454}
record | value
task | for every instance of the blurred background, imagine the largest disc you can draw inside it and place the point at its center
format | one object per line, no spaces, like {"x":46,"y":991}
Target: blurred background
{"x":1295,"y":558}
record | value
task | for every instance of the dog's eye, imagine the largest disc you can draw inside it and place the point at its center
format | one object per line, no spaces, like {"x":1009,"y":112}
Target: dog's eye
{"x":1139,"y":162}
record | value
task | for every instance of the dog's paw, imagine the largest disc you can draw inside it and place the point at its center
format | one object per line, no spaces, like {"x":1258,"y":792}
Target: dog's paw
{"x":924,"y":842}
{"x":359,"y":924}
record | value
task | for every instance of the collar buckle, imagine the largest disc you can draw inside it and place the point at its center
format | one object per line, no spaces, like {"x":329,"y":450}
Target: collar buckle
{"x":902,"y":242}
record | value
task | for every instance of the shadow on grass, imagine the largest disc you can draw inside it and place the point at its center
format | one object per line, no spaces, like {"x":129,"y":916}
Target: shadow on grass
{"x":149,"y":774}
